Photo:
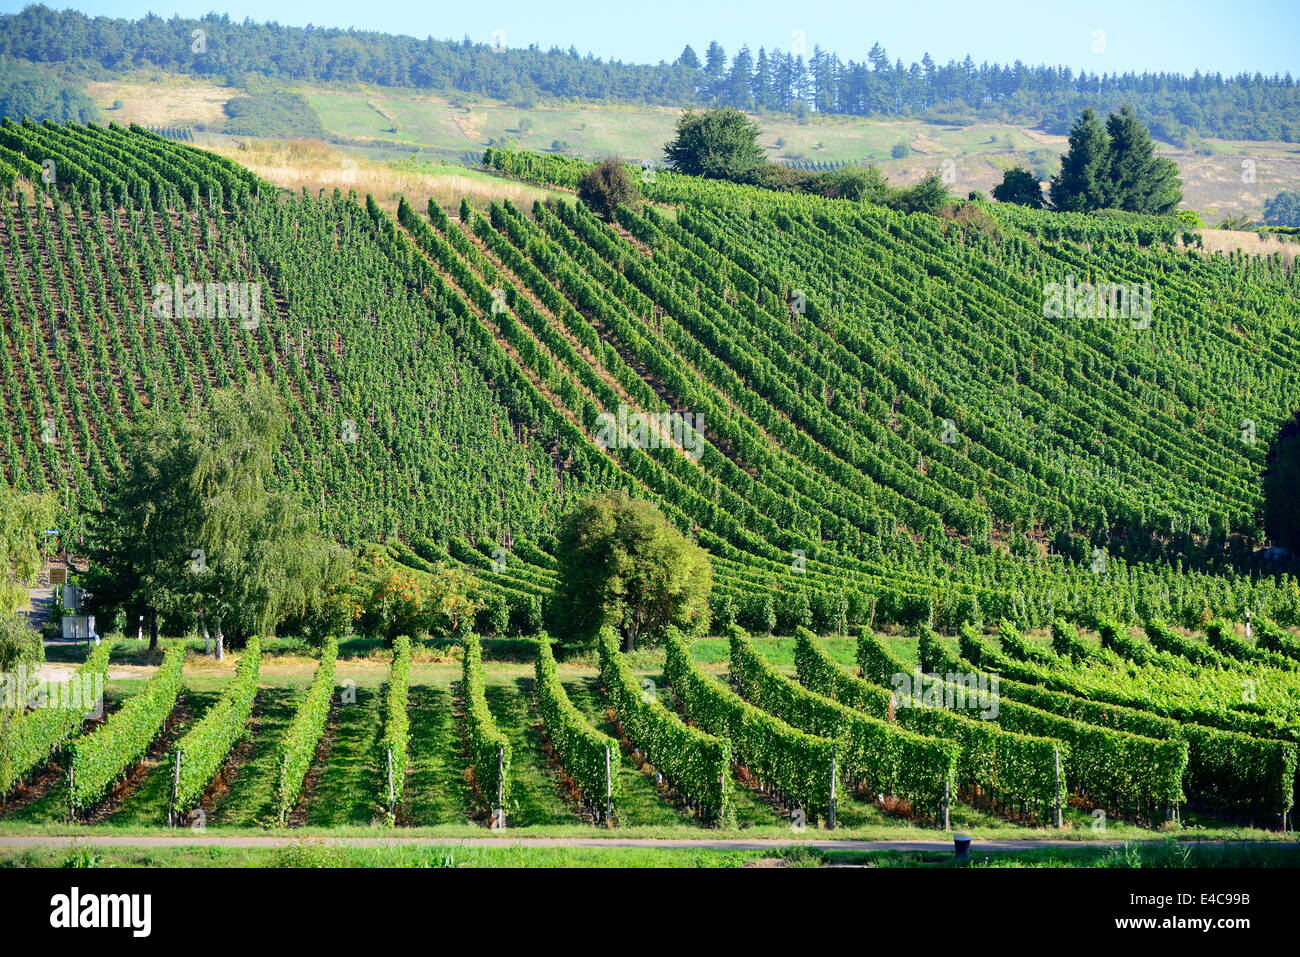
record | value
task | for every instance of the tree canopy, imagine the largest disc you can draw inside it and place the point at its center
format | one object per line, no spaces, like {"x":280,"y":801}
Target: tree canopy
{"x":621,"y":564}
{"x":1283,"y":209}
{"x":23,"y":519}
{"x":606,"y":186}
{"x":194,"y":531}
{"x":1115,"y":167}
{"x":719,"y":143}
{"x":1021,"y":187}
{"x":1281,"y":480}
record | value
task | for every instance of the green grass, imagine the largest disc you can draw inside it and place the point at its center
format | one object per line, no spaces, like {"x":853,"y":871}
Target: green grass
{"x":307,"y":853}
{"x":535,"y":794}
{"x":346,"y":792}
{"x":437,"y":790}
{"x":250,"y":798}
{"x":641,"y":803}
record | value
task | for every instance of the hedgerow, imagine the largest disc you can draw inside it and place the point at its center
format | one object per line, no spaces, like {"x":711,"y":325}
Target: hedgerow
{"x":99,"y":759}
{"x":590,"y":758}
{"x":299,"y":744}
{"x":888,"y":758}
{"x":395,"y":738}
{"x":205,"y":746}
{"x":799,"y":767}
{"x":489,"y":749}
{"x":698,"y":765}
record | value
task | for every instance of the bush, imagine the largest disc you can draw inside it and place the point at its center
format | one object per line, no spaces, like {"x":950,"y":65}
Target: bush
{"x":606,"y":186}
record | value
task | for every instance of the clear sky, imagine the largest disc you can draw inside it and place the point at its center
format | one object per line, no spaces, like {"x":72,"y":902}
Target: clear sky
{"x":1101,"y":35}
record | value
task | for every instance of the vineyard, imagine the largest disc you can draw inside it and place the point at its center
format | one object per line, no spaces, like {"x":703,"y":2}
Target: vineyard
{"x":936,"y":489}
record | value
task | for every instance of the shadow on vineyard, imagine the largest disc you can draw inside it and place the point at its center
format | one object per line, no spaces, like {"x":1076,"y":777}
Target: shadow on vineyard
{"x":1282,"y":488}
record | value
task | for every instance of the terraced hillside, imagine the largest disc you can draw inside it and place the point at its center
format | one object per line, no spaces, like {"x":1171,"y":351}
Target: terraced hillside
{"x":892,"y":427}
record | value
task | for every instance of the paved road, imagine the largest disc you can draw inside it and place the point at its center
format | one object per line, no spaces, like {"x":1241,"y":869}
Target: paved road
{"x":196,"y":839}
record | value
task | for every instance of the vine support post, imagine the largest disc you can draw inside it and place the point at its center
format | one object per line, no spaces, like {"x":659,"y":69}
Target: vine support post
{"x":1056,"y":754}
{"x":946,"y":798}
{"x":501,"y":786}
{"x":830,"y":811}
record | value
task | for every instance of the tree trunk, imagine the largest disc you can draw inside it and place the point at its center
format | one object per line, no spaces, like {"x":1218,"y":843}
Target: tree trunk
{"x":221,"y":644}
{"x":629,"y":642}
{"x":206,"y":640}
{"x":153,"y":629}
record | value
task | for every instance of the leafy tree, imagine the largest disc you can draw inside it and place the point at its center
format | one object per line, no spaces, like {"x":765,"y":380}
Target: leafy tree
{"x":23,"y":518}
{"x":928,"y":196}
{"x":194,"y":531}
{"x":621,"y":564}
{"x":1020,"y":187}
{"x":1283,"y":209}
{"x":391,"y":599}
{"x":141,"y":540}
{"x":1083,"y":183}
{"x":1140,"y":181}
{"x":1281,"y":479}
{"x":606,"y":186}
{"x":899,"y":151}
{"x":719,"y":143}
{"x":860,"y":183}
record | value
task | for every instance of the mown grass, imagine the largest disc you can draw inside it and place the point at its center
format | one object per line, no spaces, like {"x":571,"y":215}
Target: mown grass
{"x":311,"y":853}
{"x":437,"y":785}
{"x":535,"y":791}
{"x":249,"y":796}
{"x":346,"y":791}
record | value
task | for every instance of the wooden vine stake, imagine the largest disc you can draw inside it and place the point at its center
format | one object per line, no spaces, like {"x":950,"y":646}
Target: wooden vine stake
{"x":499,"y":816}
{"x":830,"y":811}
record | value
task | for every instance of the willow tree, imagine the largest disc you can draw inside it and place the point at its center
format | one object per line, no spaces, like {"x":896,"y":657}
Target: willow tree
{"x":199,"y":530}
{"x":24,"y":516}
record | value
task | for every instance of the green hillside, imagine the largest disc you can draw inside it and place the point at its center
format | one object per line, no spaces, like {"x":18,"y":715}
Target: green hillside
{"x":904,"y":437}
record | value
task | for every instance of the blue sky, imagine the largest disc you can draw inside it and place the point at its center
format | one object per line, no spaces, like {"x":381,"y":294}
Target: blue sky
{"x":1135,"y":34}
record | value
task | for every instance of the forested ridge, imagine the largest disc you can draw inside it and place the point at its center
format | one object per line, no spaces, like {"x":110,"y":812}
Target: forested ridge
{"x":784,"y":78}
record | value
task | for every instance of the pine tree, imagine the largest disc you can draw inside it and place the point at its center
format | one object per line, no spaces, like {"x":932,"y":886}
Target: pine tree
{"x":1141,"y":182}
{"x":1084,"y":181}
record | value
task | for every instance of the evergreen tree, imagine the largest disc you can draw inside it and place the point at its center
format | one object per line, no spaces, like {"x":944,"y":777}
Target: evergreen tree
{"x":1084,"y":181}
{"x":742,"y":75}
{"x":1141,"y":182}
{"x":715,"y":72}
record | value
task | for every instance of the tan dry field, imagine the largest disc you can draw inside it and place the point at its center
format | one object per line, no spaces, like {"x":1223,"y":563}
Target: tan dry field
{"x":313,"y":165}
